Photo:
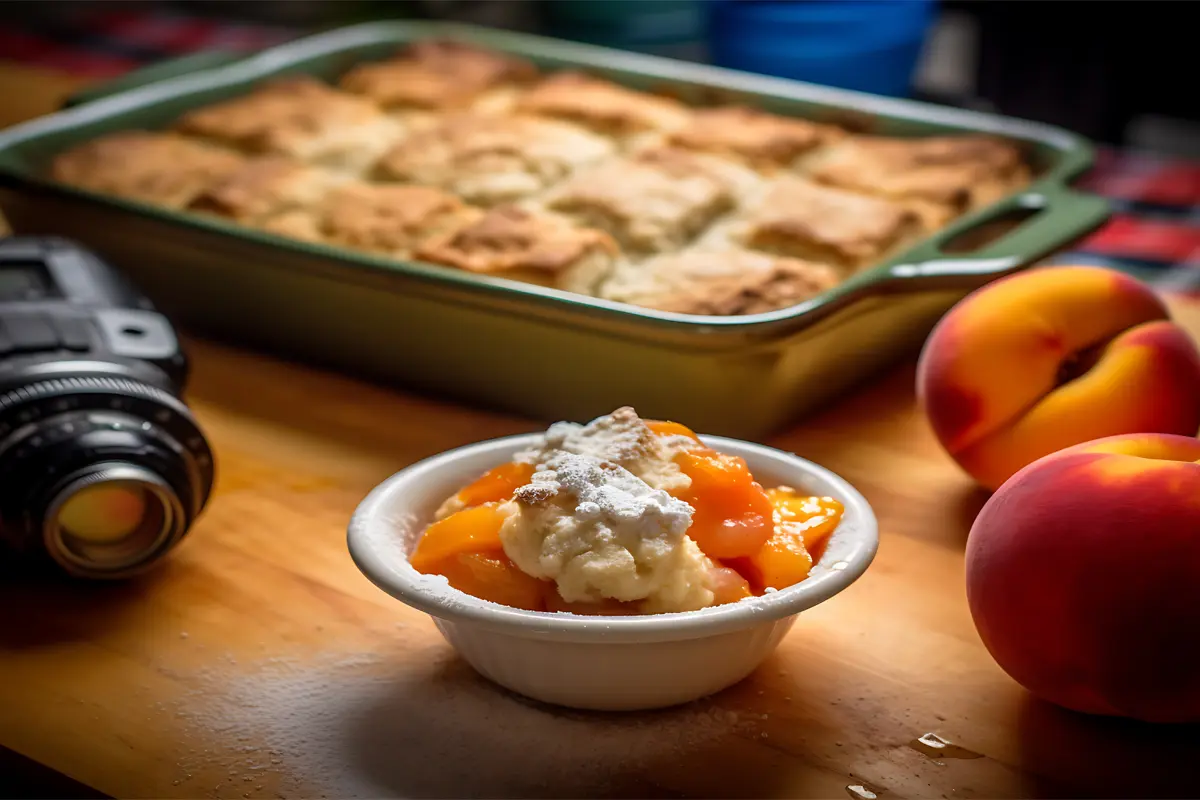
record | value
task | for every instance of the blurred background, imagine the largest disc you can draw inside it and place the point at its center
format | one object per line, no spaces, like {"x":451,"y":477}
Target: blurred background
{"x":1113,"y":71}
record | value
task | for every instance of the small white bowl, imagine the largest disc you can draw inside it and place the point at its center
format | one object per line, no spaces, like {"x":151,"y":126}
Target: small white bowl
{"x":607,"y":663}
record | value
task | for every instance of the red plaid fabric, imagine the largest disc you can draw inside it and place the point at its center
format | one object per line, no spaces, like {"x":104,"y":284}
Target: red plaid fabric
{"x":104,"y":43}
{"x":171,"y":33}
{"x":1154,"y":233}
{"x":1137,"y":237}
{"x":1143,"y":178}
{"x":30,"y":48}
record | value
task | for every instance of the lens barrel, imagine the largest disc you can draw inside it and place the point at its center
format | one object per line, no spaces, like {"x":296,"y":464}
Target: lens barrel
{"x":103,"y":474}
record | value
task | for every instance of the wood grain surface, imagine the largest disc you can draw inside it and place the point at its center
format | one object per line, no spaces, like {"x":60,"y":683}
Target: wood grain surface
{"x":258,"y":662}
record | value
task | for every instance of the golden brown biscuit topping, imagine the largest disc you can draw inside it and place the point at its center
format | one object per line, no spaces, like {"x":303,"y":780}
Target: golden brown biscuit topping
{"x":290,"y":116}
{"x":161,"y":168}
{"x":755,"y":136}
{"x":652,"y":201}
{"x":985,"y":151}
{"x":492,"y":158}
{"x":937,"y":169}
{"x":619,"y":190}
{"x":603,"y":106}
{"x":436,"y":74}
{"x":391,"y":219}
{"x":803,"y":219}
{"x":509,"y":238}
{"x":720,"y":283}
{"x":386,"y":219}
{"x":264,"y":187}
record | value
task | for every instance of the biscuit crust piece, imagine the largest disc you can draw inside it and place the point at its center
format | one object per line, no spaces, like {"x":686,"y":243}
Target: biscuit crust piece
{"x":386,"y":219}
{"x":263,"y":188}
{"x":438,"y":74}
{"x":603,"y":106}
{"x":301,"y":118}
{"x":940,"y":176}
{"x":719,"y":282}
{"x":160,"y":168}
{"x":492,"y":158}
{"x":653,"y":201}
{"x":760,"y":139}
{"x":806,"y":220}
{"x":516,"y":243}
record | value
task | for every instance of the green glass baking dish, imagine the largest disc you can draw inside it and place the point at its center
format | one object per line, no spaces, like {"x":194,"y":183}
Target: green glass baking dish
{"x":516,"y":347}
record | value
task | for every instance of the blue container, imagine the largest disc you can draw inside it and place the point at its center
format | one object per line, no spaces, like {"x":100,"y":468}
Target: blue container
{"x":867,"y":45}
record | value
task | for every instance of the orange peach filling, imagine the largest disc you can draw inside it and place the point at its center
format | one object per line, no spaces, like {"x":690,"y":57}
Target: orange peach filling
{"x":496,"y":485}
{"x":803,"y":525}
{"x":667,"y":428}
{"x":492,"y":576}
{"x":811,"y":519}
{"x":729,"y":586}
{"x":465,"y":548}
{"x":733,"y":515}
{"x":472,"y":530}
{"x":757,"y":538}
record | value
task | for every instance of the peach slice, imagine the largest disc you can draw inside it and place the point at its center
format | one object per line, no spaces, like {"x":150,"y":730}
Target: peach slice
{"x":492,"y":576}
{"x":733,"y":516}
{"x":668,"y":428}
{"x":782,"y":562}
{"x":728,"y":586}
{"x":802,"y":527}
{"x":813,"y":519}
{"x":496,"y":485}
{"x":472,"y":530}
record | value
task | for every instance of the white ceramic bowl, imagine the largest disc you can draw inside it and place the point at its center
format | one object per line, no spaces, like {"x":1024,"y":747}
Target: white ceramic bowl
{"x":610,"y":663}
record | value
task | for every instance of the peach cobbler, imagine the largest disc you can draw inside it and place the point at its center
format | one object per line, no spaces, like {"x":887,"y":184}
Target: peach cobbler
{"x":468,"y":158}
{"x":623,"y":516}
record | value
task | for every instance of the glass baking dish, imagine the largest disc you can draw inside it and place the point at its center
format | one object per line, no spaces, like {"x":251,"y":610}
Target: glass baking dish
{"x":518,"y":347}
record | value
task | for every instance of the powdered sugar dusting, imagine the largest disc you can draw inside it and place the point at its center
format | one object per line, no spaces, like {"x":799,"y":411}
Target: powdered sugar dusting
{"x":621,"y":438}
{"x":426,"y":725}
{"x":602,"y":488}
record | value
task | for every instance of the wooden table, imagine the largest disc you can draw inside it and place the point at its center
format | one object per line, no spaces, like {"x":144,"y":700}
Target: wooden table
{"x":258,"y":662}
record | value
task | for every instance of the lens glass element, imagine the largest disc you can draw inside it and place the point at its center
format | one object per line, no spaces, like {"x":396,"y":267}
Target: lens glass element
{"x":113,"y":520}
{"x":104,"y":513}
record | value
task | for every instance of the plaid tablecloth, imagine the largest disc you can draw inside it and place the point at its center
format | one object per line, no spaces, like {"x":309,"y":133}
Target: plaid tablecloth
{"x":1155,"y":230}
{"x":1155,"y":233}
{"x":103,"y":43}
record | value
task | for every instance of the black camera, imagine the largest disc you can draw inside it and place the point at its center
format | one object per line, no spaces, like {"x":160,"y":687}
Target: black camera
{"x":103,"y":468}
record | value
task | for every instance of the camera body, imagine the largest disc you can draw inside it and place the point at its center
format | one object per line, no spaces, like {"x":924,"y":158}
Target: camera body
{"x":102,"y":466}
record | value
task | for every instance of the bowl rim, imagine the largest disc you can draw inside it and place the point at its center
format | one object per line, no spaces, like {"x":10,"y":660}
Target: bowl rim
{"x":397,"y":577}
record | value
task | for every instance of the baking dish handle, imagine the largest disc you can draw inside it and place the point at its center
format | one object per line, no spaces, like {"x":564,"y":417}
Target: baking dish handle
{"x":158,"y":71}
{"x":1054,"y":216}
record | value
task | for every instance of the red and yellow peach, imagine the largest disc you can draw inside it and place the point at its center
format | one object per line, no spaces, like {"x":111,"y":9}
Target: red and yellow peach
{"x":1083,"y":577}
{"x":1050,"y":358}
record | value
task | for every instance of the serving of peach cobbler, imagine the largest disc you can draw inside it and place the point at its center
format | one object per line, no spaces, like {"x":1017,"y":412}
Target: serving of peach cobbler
{"x":623,"y":516}
{"x":453,"y":154}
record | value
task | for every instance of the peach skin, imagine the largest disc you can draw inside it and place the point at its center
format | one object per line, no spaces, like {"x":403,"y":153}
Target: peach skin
{"x":1050,"y":358}
{"x":1083,"y":577}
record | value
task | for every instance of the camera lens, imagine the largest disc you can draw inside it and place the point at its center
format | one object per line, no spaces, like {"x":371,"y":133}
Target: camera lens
{"x":101,"y":514}
{"x":114,"y":517}
{"x":104,"y":474}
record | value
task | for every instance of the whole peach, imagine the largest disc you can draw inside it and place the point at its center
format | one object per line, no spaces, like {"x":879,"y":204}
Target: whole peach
{"x":1050,"y":358}
{"x":1083,"y":577}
